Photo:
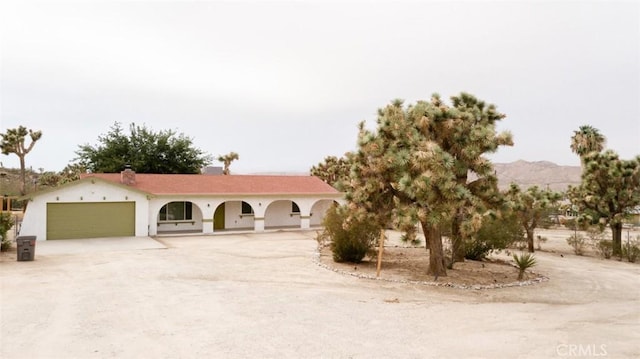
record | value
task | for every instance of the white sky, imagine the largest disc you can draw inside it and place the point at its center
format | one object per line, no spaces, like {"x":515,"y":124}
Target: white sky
{"x":285,"y":83}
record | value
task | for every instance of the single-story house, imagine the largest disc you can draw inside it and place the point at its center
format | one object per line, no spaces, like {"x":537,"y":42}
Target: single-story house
{"x":131,"y":204}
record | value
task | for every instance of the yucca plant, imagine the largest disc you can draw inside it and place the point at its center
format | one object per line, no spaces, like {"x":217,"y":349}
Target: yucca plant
{"x":524,"y":261}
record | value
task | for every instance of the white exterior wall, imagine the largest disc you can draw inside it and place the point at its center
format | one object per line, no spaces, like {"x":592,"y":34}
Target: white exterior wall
{"x":278,"y":214}
{"x":233,"y":217}
{"x":34,"y":222}
{"x":194,"y":224}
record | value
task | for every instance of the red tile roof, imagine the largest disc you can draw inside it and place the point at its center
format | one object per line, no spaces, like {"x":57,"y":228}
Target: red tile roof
{"x":197,"y":184}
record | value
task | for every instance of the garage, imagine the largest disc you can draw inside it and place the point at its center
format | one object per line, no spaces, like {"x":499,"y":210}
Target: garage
{"x":90,"y":220}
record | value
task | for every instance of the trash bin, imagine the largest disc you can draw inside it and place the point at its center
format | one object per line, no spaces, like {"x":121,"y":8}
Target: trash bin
{"x":26,"y":248}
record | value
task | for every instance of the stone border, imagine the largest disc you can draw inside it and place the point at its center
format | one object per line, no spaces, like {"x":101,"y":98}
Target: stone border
{"x":540,"y":278}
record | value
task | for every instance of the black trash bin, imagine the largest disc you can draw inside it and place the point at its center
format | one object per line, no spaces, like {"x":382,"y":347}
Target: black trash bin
{"x":26,"y":248}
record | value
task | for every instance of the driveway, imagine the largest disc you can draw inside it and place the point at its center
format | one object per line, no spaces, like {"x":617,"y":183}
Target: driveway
{"x":262,"y":296}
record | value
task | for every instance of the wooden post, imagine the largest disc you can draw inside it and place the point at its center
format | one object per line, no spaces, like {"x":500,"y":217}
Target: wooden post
{"x":380,"y":249}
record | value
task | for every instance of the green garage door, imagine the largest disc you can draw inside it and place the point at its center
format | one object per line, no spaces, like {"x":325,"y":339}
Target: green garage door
{"x":90,"y":220}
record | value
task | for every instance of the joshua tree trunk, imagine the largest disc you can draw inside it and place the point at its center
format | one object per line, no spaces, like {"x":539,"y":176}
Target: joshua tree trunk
{"x":437,"y":266}
{"x":530,"y":240}
{"x":23,"y":176}
{"x":457,"y":242}
{"x":616,"y":229}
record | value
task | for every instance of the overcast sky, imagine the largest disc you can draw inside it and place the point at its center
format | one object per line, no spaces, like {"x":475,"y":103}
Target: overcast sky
{"x":285,"y":83}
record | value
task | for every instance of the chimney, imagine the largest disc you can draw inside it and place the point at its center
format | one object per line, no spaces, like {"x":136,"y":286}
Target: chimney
{"x":128,"y":176}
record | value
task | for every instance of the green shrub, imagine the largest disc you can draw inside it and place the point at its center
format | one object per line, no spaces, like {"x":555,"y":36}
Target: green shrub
{"x":494,"y":235}
{"x":6,"y":222}
{"x":524,"y":261}
{"x":349,"y":242}
{"x":578,"y":242}
{"x":631,"y":251}
{"x":604,"y":247}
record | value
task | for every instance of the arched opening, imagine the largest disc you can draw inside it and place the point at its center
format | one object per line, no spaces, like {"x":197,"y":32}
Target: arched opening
{"x":233,"y":215}
{"x":318,"y":211}
{"x":179,"y":217}
{"x":282,"y":214}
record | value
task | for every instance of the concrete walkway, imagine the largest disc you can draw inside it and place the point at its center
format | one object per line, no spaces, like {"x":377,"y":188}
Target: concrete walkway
{"x":75,"y":246}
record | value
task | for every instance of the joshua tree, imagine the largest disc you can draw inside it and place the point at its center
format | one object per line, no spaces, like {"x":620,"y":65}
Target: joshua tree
{"x":13,"y":142}
{"x":531,"y":207}
{"x":609,"y":190}
{"x":226,"y":160}
{"x":333,"y":170}
{"x":414,"y":168}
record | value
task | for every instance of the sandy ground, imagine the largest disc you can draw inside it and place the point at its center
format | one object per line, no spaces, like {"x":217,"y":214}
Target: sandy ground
{"x":263,"y":296}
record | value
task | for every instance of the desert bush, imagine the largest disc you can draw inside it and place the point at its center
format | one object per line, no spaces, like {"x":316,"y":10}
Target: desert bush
{"x":524,"y":261}
{"x":604,"y":248}
{"x":578,"y":242}
{"x":494,"y":235}
{"x":349,"y":242}
{"x":6,"y":222}
{"x":595,"y":234}
{"x":631,"y":250}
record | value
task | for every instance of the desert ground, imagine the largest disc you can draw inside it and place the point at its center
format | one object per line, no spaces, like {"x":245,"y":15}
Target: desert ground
{"x":270,"y":295}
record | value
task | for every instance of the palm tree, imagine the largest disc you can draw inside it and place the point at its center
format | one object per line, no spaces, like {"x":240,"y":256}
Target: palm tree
{"x":226,"y":160}
{"x":585,"y":140}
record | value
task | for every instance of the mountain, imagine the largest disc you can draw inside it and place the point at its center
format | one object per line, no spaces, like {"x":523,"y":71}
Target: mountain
{"x":540,"y":173}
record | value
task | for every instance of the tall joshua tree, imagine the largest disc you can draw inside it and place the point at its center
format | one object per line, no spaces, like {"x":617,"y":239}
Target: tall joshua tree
{"x":226,"y":161}
{"x":13,"y":141}
{"x":467,"y":131}
{"x":609,"y":190}
{"x":333,"y":170}
{"x":585,"y":140}
{"x":414,"y":168}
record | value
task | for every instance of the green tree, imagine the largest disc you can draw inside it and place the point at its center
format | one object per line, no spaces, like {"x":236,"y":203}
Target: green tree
{"x":532,"y":207}
{"x":333,"y":170}
{"x":226,"y":161}
{"x":609,"y":190}
{"x":13,"y":141}
{"x":145,"y":150}
{"x":467,"y":131}
{"x":585,"y":140}
{"x":401,"y":173}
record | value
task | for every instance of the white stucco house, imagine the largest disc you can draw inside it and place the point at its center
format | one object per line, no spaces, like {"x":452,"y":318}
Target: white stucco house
{"x":129,"y":204}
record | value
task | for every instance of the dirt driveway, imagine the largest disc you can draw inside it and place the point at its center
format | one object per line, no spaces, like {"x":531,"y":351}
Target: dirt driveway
{"x":262,"y":296}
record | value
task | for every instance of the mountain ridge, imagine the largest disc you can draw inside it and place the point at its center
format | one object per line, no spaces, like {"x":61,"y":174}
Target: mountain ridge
{"x":544,"y":174}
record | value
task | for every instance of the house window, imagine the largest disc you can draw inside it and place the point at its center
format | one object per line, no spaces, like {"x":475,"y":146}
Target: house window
{"x":176,"y":211}
{"x":294,"y":208}
{"x":246,"y":208}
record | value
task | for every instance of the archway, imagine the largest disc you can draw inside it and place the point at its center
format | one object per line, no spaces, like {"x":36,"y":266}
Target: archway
{"x":318,"y":211}
{"x":282,"y":214}
{"x":231,"y":215}
{"x":179,"y":217}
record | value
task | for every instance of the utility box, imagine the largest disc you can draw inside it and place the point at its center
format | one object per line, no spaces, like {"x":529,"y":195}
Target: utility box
{"x":26,"y":248}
